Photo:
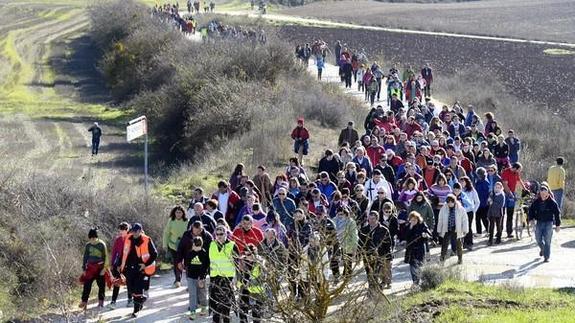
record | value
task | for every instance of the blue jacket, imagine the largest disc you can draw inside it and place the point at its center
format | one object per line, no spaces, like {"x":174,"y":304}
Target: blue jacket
{"x":285,"y":211}
{"x":482,"y":188}
{"x":365,"y":164}
{"x":545,"y":211}
{"x":327,"y":189}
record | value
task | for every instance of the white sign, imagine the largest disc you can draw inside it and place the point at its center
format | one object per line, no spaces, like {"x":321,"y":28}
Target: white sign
{"x":136,"y":128}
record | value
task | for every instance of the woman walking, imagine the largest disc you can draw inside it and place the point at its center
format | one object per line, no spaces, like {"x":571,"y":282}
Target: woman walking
{"x":416,"y":235}
{"x":173,"y":232}
{"x":452,"y":222}
{"x":95,"y":264}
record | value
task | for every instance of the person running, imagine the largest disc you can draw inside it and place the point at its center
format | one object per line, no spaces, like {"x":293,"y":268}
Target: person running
{"x":300,"y":135}
{"x":173,"y":232}
{"x":416,"y":236}
{"x":452,"y":222}
{"x":222,"y":254}
{"x":138,"y":264}
{"x":197,"y":263}
{"x":556,"y":180}
{"x":116,"y":262}
{"x":544,"y":214}
{"x":94,"y":265}
{"x":96,"y":135}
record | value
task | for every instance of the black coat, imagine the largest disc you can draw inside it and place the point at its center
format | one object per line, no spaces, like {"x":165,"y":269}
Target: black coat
{"x":415,"y":247}
{"x":375,"y":241}
{"x":330,"y":166}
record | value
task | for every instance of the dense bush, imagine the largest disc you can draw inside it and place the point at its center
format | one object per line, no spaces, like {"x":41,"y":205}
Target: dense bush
{"x":197,"y":95}
{"x":43,"y":228}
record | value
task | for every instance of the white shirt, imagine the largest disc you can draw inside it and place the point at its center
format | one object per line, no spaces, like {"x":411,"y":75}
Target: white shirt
{"x":223,"y":202}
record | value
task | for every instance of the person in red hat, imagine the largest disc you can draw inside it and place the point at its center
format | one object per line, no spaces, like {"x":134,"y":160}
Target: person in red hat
{"x":300,"y":135}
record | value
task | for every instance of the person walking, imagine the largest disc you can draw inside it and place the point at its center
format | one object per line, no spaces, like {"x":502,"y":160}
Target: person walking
{"x":416,"y":236}
{"x":556,"y":180}
{"x":138,"y":264}
{"x":173,"y":232}
{"x":94,"y":265}
{"x":347,"y":237}
{"x":222,"y":254}
{"x":300,"y":135}
{"x":427,"y":74}
{"x":246,"y":233}
{"x":375,"y":245}
{"x":495,"y":213}
{"x":452,"y":222}
{"x":320,"y":63}
{"x":96,"y":134}
{"x":116,"y":262}
{"x":197,"y":263}
{"x":251,"y":282}
{"x":544,"y":214}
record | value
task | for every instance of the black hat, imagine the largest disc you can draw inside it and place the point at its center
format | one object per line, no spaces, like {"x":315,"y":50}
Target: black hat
{"x":136,"y":227}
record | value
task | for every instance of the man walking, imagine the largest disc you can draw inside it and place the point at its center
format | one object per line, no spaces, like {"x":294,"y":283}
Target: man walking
{"x":138,"y":264}
{"x":545,"y":214}
{"x":556,"y":181}
{"x":96,"y":134}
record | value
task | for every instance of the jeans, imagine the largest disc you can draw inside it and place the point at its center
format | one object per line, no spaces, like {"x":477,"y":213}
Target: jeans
{"x":558,"y":195}
{"x":543,"y":235}
{"x":196,"y":295}
{"x":414,"y":270}
{"x":95,"y":145}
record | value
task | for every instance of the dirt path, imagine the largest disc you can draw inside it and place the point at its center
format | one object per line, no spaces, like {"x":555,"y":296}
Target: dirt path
{"x":328,"y":23}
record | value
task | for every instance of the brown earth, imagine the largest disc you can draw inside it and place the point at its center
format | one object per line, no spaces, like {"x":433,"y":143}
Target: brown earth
{"x":524,"y":69}
{"x":551,"y":20}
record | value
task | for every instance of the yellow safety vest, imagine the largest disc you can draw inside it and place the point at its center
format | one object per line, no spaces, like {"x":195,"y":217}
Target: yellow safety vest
{"x":255,"y":286}
{"x":221,"y":261}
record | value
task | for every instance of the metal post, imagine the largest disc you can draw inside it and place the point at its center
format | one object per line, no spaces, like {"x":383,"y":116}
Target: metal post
{"x":146,"y":169}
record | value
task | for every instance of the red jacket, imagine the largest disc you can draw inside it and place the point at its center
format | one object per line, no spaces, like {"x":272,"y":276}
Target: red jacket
{"x":117,"y":249}
{"x":375,"y":153}
{"x":243,"y":238}
{"x":300,"y":132}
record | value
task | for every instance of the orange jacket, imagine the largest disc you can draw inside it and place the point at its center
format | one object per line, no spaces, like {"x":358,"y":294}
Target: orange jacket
{"x":142,"y":251}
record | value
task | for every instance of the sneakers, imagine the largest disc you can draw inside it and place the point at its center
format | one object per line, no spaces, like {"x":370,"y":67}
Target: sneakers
{"x":192,"y":316}
{"x":111,"y":306}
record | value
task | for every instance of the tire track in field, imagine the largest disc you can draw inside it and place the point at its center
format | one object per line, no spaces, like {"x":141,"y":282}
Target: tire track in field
{"x":41,"y":146}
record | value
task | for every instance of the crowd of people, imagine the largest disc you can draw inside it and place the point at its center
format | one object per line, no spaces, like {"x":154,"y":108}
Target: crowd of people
{"x":414,"y":177}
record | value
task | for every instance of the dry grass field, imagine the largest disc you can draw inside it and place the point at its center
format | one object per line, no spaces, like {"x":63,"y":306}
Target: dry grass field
{"x":550,"y":20}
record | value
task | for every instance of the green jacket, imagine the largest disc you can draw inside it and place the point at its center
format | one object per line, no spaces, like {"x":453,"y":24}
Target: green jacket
{"x":173,"y":232}
{"x":425,"y":210}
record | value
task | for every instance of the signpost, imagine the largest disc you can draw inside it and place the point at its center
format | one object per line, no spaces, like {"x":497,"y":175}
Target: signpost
{"x":137,"y":128}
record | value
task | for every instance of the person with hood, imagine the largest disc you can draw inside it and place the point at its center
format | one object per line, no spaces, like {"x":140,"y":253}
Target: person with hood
{"x":138,"y":264}
{"x":173,"y":232}
{"x":452,"y":222}
{"x":222,"y":254}
{"x":300,"y":136}
{"x":544,"y":213}
{"x":96,"y":135}
{"x":417,"y":234}
{"x":116,"y":261}
{"x":495,"y":213}
{"x":94,"y":265}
